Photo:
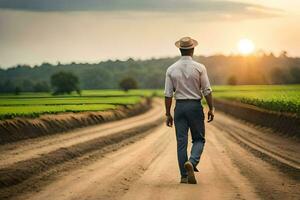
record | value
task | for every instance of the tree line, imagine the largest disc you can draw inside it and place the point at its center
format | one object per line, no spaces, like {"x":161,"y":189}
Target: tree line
{"x":61,"y":83}
{"x":255,"y":69}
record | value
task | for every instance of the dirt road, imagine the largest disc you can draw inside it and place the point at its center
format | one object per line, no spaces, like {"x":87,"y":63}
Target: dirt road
{"x":239,"y":162}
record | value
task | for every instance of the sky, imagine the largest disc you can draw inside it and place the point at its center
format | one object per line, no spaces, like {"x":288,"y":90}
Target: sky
{"x":36,"y":31}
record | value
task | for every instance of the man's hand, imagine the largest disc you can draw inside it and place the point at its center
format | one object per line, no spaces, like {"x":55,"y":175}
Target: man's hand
{"x":168,"y":104}
{"x":169,"y":120}
{"x":210,"y":115}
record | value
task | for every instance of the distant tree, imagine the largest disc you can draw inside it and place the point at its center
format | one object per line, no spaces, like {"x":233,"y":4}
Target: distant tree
{"x":154,"y":80}
{"x":17,"y":90}
{"x":128,"y":83}
{"x":41,"y":87}
{"x":265,"y":68}
{"x":64,"y":82}
{"x":279,"y":76}
{"x":232,"y":80}
{"x":45,"y":64}
{"x":8,"y":86}
{"x":97,"y":79}
{"x":295,"y":75}
{"x":283,"y":54}
{"x":27,"y":85}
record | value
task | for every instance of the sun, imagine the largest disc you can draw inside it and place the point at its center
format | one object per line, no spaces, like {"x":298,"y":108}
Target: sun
{"x":246,"y":46}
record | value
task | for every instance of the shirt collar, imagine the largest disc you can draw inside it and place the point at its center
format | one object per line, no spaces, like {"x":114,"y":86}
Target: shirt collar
{"x":186,"y":58}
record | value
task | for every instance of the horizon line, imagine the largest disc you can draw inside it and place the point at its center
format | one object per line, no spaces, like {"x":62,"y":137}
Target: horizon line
{"x":255,"y":54}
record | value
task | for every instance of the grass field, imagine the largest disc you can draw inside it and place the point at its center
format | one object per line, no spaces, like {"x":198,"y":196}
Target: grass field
{"x":8,"y":112}
{"x":35,"y":104}
{"x":282,"y":98}
{"x":122,"y":100}
{"x":85,"y":93}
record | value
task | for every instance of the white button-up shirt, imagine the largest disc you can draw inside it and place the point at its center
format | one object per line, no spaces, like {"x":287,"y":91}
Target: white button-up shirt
{"x":187,"y":79}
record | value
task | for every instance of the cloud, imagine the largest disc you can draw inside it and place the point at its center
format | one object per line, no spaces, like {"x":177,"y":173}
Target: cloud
{"x":167,"y":6}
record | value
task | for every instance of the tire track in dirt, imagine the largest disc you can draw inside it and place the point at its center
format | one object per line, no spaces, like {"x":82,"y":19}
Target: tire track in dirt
{"x":109,"y":177}
{"x":227,"y":171}
{"x":286,"y":159}
{"x":20,"y":171}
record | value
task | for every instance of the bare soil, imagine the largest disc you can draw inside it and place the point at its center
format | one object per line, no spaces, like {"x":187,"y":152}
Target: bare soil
{"x":239,"y":162}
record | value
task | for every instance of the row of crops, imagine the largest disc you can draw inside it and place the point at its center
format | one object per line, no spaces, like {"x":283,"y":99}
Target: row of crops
{"x":282,"y":98}
{"x":35,"y":104}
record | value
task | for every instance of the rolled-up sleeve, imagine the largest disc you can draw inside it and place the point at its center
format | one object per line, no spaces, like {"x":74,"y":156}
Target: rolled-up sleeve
{"x":205,"y":84}
{"x":168,"y":86}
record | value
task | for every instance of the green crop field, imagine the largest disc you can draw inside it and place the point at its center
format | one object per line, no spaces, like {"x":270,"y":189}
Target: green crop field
{"x":7,"y":112}
{"x":85,"y":93}
{"x":35,"y":104}
{"x":70,"y":100}
{"x":283,"y":98}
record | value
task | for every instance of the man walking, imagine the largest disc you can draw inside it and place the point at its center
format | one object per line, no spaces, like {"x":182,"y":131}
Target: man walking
{"x":189,"y":82}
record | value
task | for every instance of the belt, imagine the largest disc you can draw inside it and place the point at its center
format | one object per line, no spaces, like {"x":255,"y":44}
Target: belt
{"x":186,"y":100}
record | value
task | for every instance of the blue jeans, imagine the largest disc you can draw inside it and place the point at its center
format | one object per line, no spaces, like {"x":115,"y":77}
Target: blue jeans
{"x":189,"y":115}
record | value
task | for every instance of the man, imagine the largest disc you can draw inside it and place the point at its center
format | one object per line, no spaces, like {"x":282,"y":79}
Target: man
{"x":189,"y":82}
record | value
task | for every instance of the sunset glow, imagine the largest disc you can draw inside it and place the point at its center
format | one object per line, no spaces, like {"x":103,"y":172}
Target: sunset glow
{"x":33,"y":32}
{"x":246,"y":46}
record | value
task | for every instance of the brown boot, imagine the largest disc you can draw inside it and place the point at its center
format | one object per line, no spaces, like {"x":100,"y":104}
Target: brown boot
{"x":184,"y":180}
{"x":190,"y":170}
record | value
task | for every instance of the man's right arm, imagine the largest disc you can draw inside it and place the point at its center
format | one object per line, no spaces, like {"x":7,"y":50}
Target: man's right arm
{"x":168,"y":104}
{"x":168,"y":99}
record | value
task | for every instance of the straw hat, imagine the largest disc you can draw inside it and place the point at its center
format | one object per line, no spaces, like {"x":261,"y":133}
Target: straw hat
{"x":186,"y":43}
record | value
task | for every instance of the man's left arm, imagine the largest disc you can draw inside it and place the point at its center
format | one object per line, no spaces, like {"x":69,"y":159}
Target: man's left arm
{"x":168,"y":104}
{"x":207,"y":92}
